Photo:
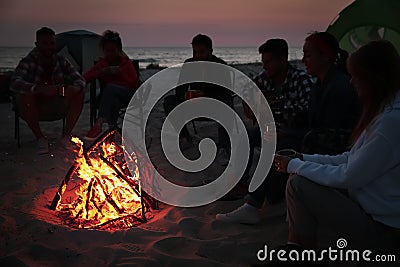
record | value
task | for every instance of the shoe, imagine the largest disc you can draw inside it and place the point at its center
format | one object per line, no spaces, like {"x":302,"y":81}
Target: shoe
{"x":42,"y":146}
{"x":245,"y":214}
{"x":222,"y":157}
{"x":94,"y":133}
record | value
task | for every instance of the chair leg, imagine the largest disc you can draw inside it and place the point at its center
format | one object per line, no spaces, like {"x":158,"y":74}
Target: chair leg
{"x":194,"y":127}
{"x":16,"y":129}
{"x":16,"y":124}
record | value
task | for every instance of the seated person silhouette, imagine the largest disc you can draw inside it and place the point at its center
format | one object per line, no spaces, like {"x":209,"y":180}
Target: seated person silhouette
{"x":323,"y":59}
{"x":47,"y":85}
{"x":202,"y":51}
{"x":355,"y":194}
{"x":287,"y":89}
{"x":118,"y":75}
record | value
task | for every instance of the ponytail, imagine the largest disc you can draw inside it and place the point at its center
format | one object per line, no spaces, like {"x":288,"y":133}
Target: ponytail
{"x":329,"y":46}
{"x":341,"y":61}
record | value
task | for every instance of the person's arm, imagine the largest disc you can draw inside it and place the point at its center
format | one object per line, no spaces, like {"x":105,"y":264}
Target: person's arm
{"x":340,"y":116}
{"x":304,"y":86}
{"x":365,"y":164}
{"x":94,"y":73}
{"x":327,"y":159}
{"x":19,"y":80}
{"x":128,"y":74}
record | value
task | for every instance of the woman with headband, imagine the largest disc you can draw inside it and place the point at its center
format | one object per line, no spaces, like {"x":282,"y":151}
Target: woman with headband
{"x":334,"y":105}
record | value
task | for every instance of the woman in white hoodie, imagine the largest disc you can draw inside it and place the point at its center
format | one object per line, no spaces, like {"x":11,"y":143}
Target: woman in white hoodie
{"x":356,"y":194}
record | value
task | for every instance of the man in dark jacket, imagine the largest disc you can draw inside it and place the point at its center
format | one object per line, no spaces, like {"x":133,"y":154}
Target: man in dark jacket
{"x":202,"y":51}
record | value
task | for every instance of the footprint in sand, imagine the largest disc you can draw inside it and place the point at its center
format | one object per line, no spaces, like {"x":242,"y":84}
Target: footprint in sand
{"x":133,"y":248}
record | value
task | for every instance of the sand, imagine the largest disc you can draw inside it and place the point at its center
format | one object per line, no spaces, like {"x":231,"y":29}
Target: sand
{"x":32,"y":235}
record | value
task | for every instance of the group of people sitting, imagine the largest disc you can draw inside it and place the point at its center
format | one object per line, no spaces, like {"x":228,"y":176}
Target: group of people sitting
{"x":46,"y":83}
{"x":345,"y":107}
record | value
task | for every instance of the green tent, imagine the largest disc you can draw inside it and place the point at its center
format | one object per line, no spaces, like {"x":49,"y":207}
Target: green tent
{"x":366,"y":20}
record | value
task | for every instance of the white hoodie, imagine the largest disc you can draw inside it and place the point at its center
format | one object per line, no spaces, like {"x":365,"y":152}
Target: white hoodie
{"x":370,"y":170}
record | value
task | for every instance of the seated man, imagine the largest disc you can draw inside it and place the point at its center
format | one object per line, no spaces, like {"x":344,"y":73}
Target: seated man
{"x":202,"y":51}
{"x":287,"y":90}
{"x":47,"y":84}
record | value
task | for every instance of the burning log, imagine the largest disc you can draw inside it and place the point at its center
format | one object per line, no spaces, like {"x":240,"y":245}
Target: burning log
{"x":105,"y":195}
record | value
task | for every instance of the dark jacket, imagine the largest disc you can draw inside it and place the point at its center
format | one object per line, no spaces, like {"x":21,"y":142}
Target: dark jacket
{"x":334,"y":111}
{"x":334,"y":102}
{"x":210,"y":90}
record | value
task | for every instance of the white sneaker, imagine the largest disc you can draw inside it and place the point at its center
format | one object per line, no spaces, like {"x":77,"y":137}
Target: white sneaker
{"x":245,"y":214}
{"x":222,"y":157}
{"x":42,"y":146}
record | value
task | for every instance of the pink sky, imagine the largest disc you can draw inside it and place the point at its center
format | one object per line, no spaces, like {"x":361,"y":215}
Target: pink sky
{"x":170,"y":22}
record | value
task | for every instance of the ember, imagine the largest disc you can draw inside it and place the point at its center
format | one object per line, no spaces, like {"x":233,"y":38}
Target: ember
{"x":98,"y":191}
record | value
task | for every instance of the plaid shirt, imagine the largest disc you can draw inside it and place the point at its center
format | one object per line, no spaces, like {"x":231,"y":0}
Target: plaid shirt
{"x":29,"y":72}
{"x":292,"y":98}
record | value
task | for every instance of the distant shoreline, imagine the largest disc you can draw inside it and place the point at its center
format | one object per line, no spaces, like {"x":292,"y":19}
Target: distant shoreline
{"x":4,"y":70}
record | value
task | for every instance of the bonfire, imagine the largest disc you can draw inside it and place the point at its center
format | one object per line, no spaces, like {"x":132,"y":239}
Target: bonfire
{"x":99,"y":191}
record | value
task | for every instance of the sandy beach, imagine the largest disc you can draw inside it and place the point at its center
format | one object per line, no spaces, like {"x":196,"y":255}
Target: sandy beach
{"x":32,"y":235}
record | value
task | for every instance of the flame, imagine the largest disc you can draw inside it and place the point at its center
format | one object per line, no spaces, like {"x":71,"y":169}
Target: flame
{"x":105,"y":192}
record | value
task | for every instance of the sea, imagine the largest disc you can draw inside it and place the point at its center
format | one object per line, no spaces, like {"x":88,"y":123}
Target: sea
{"x":161,"y":56}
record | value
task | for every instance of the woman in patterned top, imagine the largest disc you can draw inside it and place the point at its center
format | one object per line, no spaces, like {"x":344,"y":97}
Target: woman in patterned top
{"x":334,"y":104}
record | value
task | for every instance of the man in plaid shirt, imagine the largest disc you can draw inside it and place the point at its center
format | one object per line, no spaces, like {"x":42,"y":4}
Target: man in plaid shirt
{"x":287,"y":91}
{"x":47,"y":85}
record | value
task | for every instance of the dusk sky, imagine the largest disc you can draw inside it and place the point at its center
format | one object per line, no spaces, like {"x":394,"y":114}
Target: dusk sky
{"x":161,"y":23}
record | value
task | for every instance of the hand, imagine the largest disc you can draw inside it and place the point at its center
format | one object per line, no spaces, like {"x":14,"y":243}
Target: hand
{"x":114,"y":69}
{"x":110,"y":70}
{"x":298,"y":155}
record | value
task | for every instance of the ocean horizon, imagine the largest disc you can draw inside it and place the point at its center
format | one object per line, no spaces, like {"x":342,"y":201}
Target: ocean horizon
{"x":161,"y":56}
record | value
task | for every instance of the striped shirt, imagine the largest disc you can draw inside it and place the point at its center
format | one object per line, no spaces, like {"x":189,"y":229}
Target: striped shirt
{"x":29,"y":72}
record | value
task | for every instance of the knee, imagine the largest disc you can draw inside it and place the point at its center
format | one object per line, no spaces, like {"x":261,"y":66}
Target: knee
{"x":294,"y":184}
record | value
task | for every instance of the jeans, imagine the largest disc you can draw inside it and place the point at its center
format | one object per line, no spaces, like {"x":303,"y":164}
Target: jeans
{"x":113,"y":98}
{"x":313,"y":207}
{"x":273,"y":186}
